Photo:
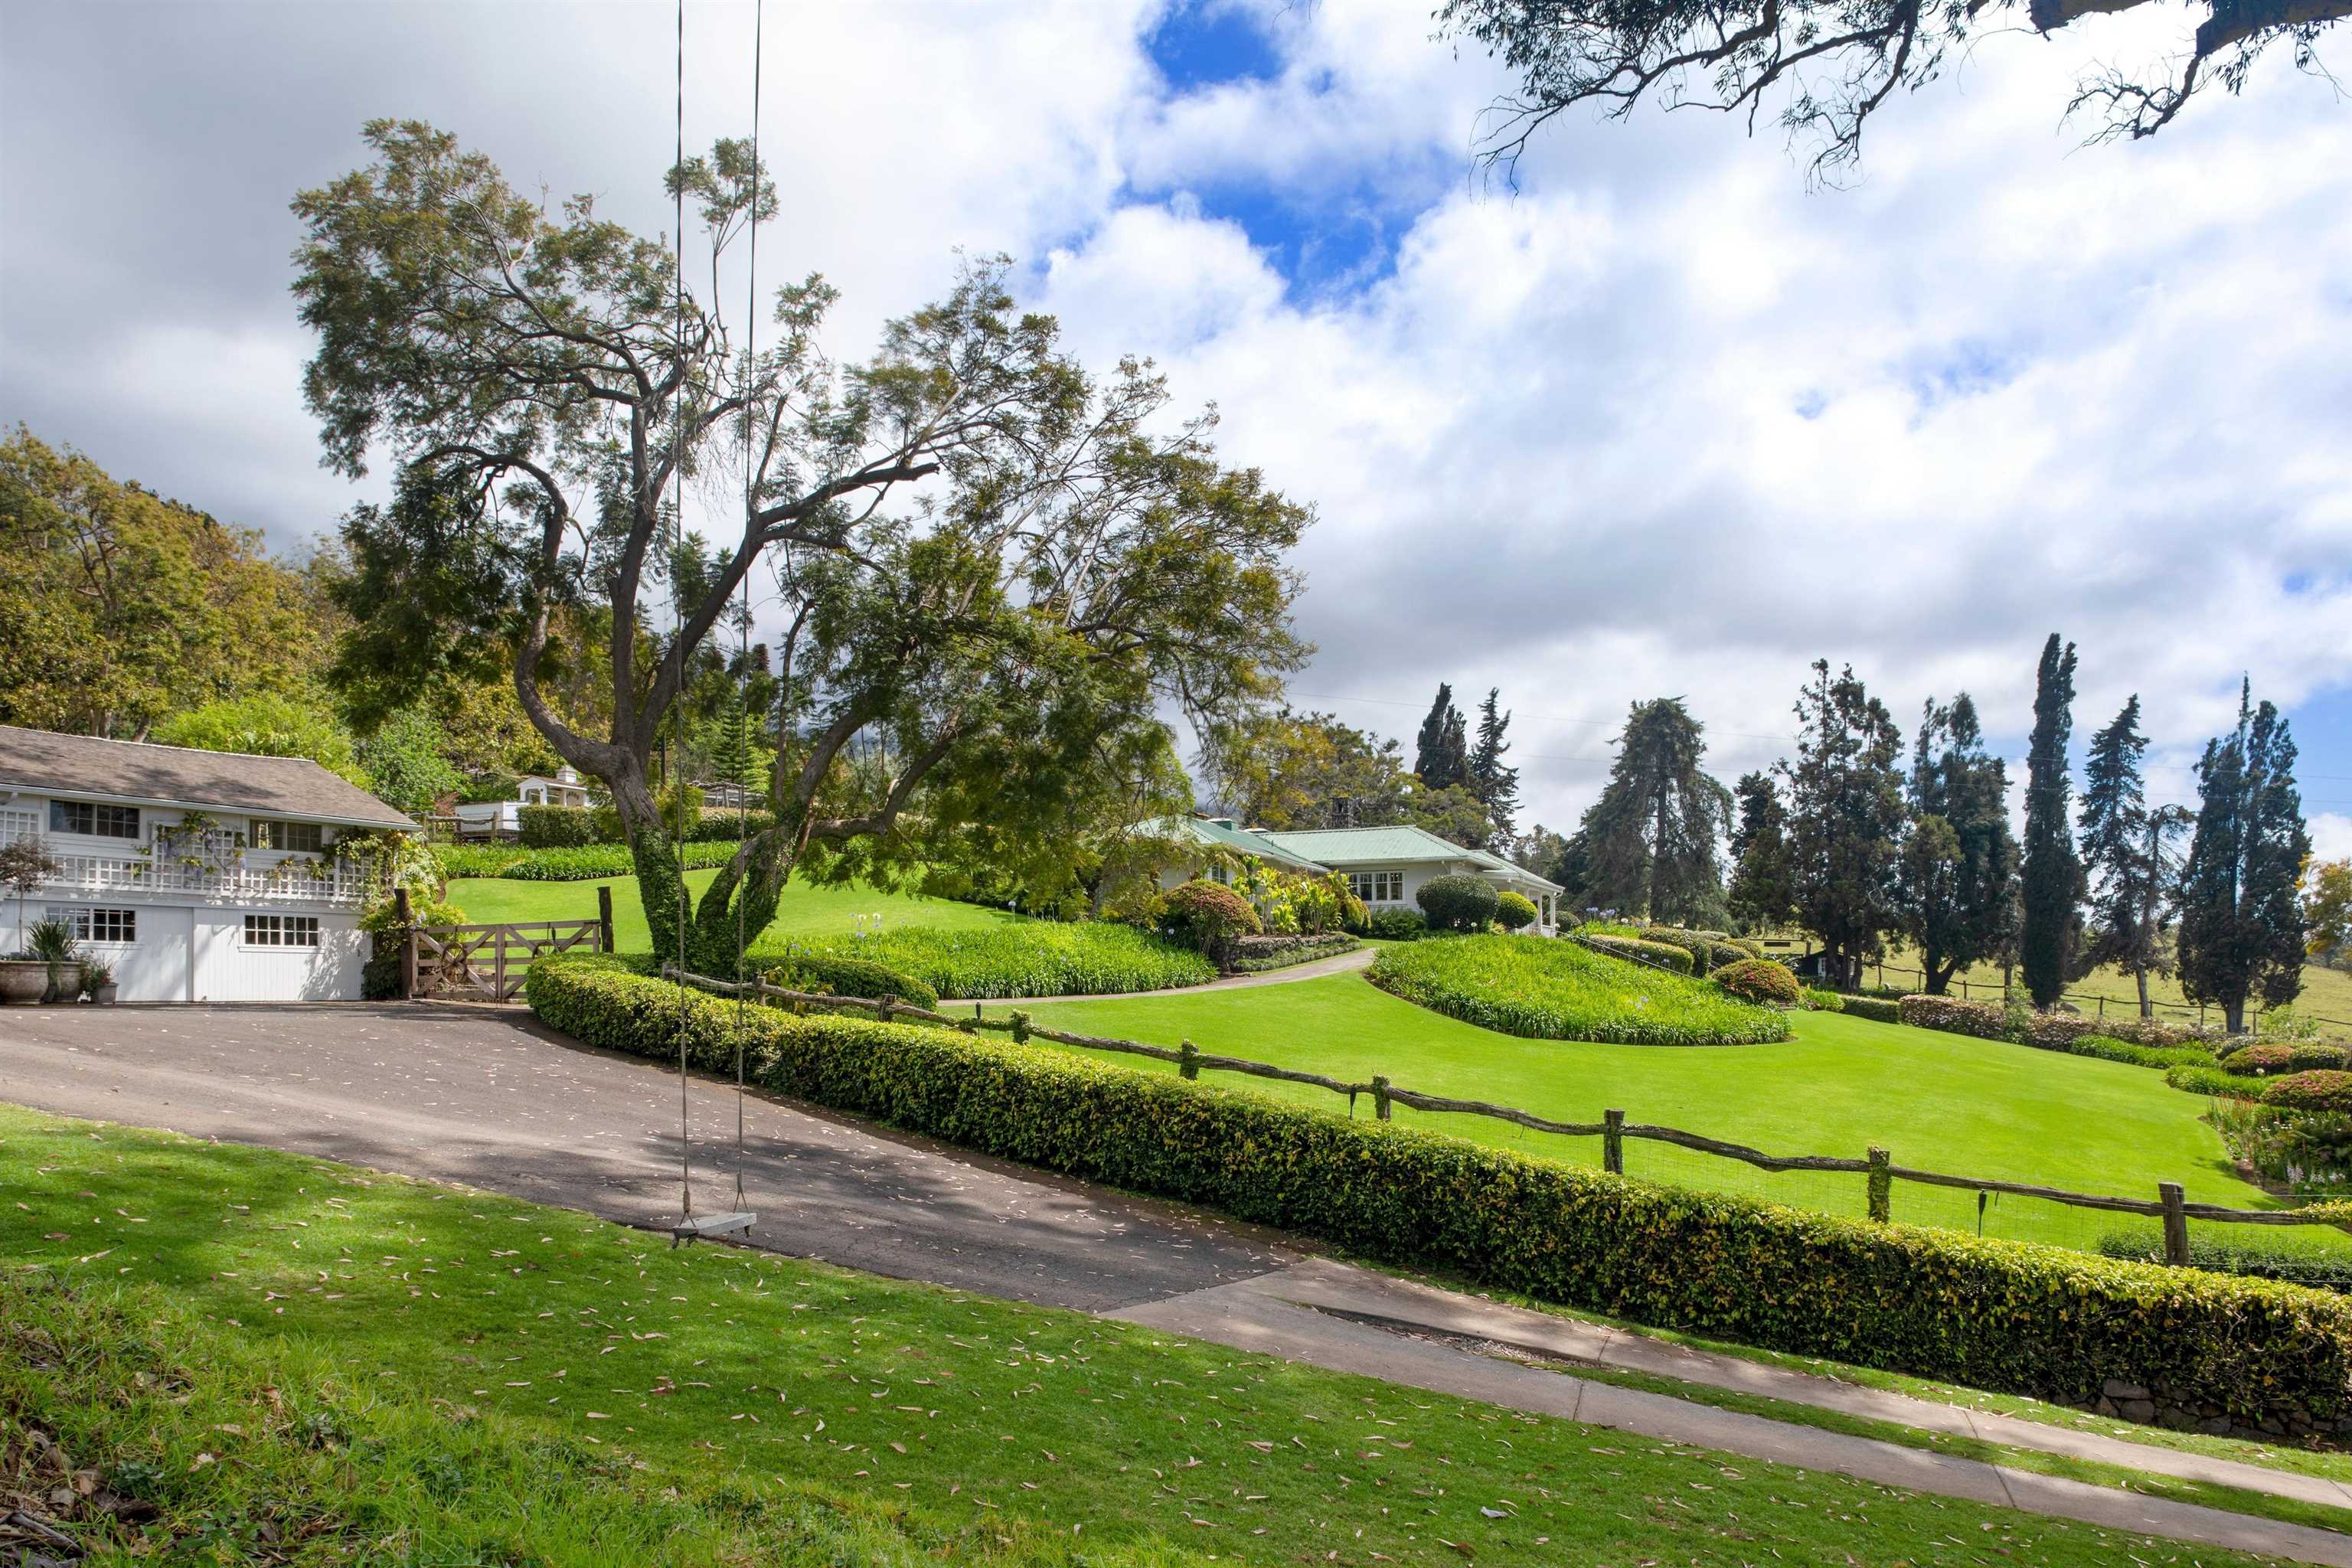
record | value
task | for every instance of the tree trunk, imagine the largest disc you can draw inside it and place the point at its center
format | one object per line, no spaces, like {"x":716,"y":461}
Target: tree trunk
{"x":2233,"y":1016}
{"x":2147,"y":1008}
{"x":1938,"y":978}
{"x":738,"y":905}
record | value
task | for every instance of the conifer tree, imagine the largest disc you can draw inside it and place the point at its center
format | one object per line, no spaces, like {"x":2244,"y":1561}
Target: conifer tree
{"x":2242,"y":929}
{"x":1491,"y":779}
{"x":1442,"y":755}
{"x":1650,"y":840}
{"x":2126,"y":855}
{"x":2053,"y":879}
{"x":1960,"y":859}
{"x":1762,"y":895}
{"x":1845,"y":818}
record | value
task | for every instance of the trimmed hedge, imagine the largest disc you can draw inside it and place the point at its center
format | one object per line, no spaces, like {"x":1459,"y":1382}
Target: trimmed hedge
{"x":2213,"y":1082}
{"x":2107,"y":1047}
{"x":1953,"y":1017}
{"x":2322,"y":1088}
{"x":588,"y":863}
{"x":1515,"y":912}
{"x":2318,"y":1271}
{"x":1023,"y":958}
{"x":2283,"y":1057}
{"x":848,"y":977}
{"x":1558,"y":991}
{"x":1822,"y":1001}
{"x":1259,"y":954}
{"x":1635,"y":949}
{"x":555,"y":827}
{"x":2008,"y":1316}
{"x":1760,"y":980}
{"x":1457,"y":901}
{"x":1878,"y":1009}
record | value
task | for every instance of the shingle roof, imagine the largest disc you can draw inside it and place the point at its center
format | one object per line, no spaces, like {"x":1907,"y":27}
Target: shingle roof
{"x":1202,"y":830}
{"x":137,"y":772}
{"x":1341,"y":848}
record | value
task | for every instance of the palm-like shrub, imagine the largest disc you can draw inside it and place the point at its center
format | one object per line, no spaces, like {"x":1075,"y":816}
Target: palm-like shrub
{"x":1761,"y":981}
{"x":1515,"y":912}
{"x":1558,"y":991}
{"x":52,"y":943}
{"x":1457,"y":901}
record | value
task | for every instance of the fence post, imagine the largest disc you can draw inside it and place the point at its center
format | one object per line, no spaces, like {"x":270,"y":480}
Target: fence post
{"x":604,"y":916}
{"x":2103,"y":1010}
{"x":1189,"y":1059}
{"x":2175,"y":1225}
{"x":1379,"y":1097}
{"x":1882,"y":1185}
{"x":1613,"y":1142}
{"x":405,"y":915}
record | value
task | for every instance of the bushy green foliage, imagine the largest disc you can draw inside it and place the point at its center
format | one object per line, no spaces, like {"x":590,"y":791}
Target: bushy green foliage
{"x":1761,"y":981}
{"x":2268,"y":1059}
{"x":2107,"y":1047}
{"x":2142,"y":1042}
{"x":1999,"y":1315}
{"x":1260,"y":954}
{"x":1822,"y":1001}
{"x":1208,"y":917}
{"x":1558,"y":991}
{"x":1457,"y":901}
{"x":725,"y":825}
{"x":1030,"y":958}
{"x":1634,"y":949}
{"x":1878,"y":1009}
{"x":1515,"y":912}
{"x":586,"y":863}
{"x":555,"y":827}
{"x":2212,"y":1081}
{"x":2232,"y":1254}
{"x":1396,"y":925}
{"x":800,"y":969}
{"x":2318,"y":1089}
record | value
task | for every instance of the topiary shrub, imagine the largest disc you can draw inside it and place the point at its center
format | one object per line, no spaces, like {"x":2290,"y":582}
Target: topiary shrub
{"x":1457,"y":901}
{"x":1396,"y":925}
{"x":1209,"y":919}
{"x":556,"y":826}
{"x":2323,"y":1088}
{"x":1515,"y":912}
{"x":2274,"y":1056}
{"x":1634,"y":950}
{"x":1759,"y":980}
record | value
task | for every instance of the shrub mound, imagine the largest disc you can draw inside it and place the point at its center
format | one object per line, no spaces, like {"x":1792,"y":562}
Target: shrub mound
{"x":1027,"y":958}
{"x":2271,"y":1057}
{"x":1558,"y":991}
{"x":1396,"y":925}
{"x":1208,"y":917}
{"x":1515,"y":912}
{"x":1760,"y":980}
{"x":587,"y":863}
{"x":2108,"y":1048}
{"x":1878,"y":1009}
{"x":1822,"y":1001}
{"x":841,"y":977}
{"x":2009,"y":1316}
{"x":2212,"y":1080}
{"x":2320,"y":1089}
{"x":555,"y":827}
{"x":1634,"y":949}
{"x":1258,"y":954}
{"x":1457,"y":901}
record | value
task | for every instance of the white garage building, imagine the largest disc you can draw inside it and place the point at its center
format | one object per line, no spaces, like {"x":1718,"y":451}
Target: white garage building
{"x":199,"y":876}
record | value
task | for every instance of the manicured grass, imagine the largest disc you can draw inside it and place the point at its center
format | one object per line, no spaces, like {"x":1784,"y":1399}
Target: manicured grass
{"x":347,"y":1366}
{"x":1032,"y":958}
{"x":1838,"y":1085}
{"x":1559,"y":991}
{"x":804,"y":911}
{"x":2326,"y":992}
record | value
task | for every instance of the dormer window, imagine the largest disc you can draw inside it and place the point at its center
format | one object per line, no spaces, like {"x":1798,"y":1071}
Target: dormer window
{"x":306,"y":837}
{"x":96,"y":821}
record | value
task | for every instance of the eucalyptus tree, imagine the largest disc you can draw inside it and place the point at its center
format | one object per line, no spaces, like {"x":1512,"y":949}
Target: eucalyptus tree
{"x":1000,"y":569}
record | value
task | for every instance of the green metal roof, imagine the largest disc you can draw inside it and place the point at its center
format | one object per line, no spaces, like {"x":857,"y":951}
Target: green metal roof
{"x":1202,"y":830}
{"x":1341,"y":848}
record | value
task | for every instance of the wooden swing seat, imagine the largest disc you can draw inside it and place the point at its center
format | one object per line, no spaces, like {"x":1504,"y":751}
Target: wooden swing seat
{"x":700,"y":1226}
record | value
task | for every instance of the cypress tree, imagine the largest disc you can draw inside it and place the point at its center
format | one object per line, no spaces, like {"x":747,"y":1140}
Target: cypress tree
{"x":2053,"y":879}
{"x":1845,"y":818}
{"x":2126,"y":855}
{"x":1957,"y":864}
{"x":1650,"y":837}
{"x":1491,"y":779}
{"x":1442,"y":755}
{"x":2242,"y":929}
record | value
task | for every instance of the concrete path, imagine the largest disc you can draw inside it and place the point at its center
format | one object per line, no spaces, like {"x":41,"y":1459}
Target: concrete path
{"x":1314,"y":969}
{"x":482,"y":1095}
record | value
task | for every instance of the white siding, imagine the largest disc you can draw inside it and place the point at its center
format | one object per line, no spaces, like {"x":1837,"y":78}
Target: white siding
{"x":156,"y":967}
{"x":229,"y":970}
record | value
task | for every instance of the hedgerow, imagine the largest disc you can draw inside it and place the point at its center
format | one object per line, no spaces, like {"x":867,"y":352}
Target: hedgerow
{"x":2107,"y":1047}
{"x":1822,"y":1001}
{"x":2318,"y":1271}
{"x":1028,"y":958}
{"x":1261,"y":954}
{"x":2140,"y":1041}
{"x":555,"y":827}
{"x":1878,"y":1009}
{"x":585,"y":863}
{"x":2213,"y":1082}
{"x":2001,"y":1315}
{"x":1558,"y":991}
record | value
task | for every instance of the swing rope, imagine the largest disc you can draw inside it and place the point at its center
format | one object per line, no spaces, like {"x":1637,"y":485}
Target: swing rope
{"x":678,"y":616}
{"x":743,"y":663}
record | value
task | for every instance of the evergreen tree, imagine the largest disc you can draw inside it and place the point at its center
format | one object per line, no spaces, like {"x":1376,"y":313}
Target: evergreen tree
{"x":2241,"y":932}
{"x":2126,"y":855}
{"x":1651,"y":837}
{"x":1442,"y":756}
{"x":1763,"y":896}
{"x":1491,"y":780}
{"x":1845,"y":818}
{"x":1954,"y":876}
{"x":2053,"y":881}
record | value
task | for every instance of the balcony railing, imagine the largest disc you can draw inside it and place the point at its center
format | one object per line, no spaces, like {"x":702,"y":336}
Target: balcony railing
{"x":290,"y":881}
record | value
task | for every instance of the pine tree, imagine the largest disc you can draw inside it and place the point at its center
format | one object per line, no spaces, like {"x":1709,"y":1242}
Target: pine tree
{"x":1491,"y":780}
{"x":2126,"y":855}
{"x":1442,"y":756}
{"x":1650,"y":837}
{"x":2241,"y":931}
{"x":2053,"y":879}
{"x":1959,"y":862}
{"x":1762,"y":895}
{"x":1845,"y":818}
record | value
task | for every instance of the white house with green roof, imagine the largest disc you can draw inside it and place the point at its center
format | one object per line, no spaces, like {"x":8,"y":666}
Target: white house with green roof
{"x":1214,"y":833}
{"x":1387,"y":866}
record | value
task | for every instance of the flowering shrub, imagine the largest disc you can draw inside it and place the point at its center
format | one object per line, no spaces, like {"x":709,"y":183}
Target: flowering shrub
{"x":1759,"y":980}
{"x":1210,"y":919}
{"x":2324,"y":1090}
{"x":2272,"y":1057}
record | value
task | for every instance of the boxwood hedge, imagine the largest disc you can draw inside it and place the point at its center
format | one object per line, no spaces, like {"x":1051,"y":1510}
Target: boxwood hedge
{"x":2001,"y":1315}
{"x":1878,"y":1009}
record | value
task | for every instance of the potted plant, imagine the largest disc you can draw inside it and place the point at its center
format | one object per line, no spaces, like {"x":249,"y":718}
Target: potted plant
{"x":50,"y":944}
{"x":98,"y":981}
{"x":24,"y":865}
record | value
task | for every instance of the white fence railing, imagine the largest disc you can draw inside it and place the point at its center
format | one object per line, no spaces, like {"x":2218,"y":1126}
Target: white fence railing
{"x":294,"y":880}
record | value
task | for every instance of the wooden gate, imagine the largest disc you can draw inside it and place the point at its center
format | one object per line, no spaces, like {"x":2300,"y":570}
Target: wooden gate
{"x":488,"y":960}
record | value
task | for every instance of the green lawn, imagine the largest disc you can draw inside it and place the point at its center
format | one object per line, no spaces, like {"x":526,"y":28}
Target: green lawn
{"x":2326,"y":992}
{"x":279,"y":1351}
{"x":1940,"y":1102}
{"x":804,"y":911}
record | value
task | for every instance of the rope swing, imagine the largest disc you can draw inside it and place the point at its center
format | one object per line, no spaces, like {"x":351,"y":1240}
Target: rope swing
{"x":689,"y":1225}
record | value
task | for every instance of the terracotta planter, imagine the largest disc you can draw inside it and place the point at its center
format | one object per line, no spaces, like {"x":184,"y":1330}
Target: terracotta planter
{"x":23,"y":980}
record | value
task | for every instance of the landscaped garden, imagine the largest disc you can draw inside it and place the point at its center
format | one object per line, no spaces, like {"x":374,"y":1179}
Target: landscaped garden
{"x":1558,"y":991}
{"x":805,"y":911}
{"x":1027,"y":958}
{"x":255,"y":1356}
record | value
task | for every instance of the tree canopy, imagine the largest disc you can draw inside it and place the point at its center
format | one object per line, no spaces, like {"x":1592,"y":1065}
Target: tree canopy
{"x":1648,"y":843}
{"x":1763,"y":894}
{"x":1845,"y":817}
{"x":1957,"y":864}
{"x":1441,"y":756}
{"x":2241,"y":932}
{"x":2127,"y":854}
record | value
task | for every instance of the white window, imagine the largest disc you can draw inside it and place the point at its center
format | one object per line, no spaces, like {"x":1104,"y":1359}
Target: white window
{"x":98,"y":821}
{"x":15,"y":825}
{"x":119,"y":926}
{"x":306,"y":837}
{"x":1377,"y":887}
{"x":281,"y":931}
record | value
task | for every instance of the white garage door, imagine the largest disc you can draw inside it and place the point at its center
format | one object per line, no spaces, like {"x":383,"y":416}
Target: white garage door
{"x":149,"y":946}
{"x":273,"y":956}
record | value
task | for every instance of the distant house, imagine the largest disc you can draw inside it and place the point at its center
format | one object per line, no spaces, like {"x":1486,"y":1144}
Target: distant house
{"x":1385,"y":866}
{"x":503,"y":818}
{"x":199,"y":875}
{"x":726,"y":794}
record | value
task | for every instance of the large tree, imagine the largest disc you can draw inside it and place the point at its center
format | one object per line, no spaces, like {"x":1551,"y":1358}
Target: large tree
{"x":1763,"y":893}
{"x":1845,"y":818}
{"x":1830,"y":66}
{"x":1650,"y":840}
{"x":1495,"y":782}
{"x":2051,"y":879}
{"x":1960,"y":859}
{"x":1283,"y":769}
{"x":2241,"y":931}
{"x":999,"y":565}
{"x":1440,"y":755}
{"x":2127,"y":855}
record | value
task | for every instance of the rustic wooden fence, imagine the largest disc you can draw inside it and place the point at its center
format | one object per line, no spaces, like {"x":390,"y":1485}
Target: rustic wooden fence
{"x":1877,"y":1168}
